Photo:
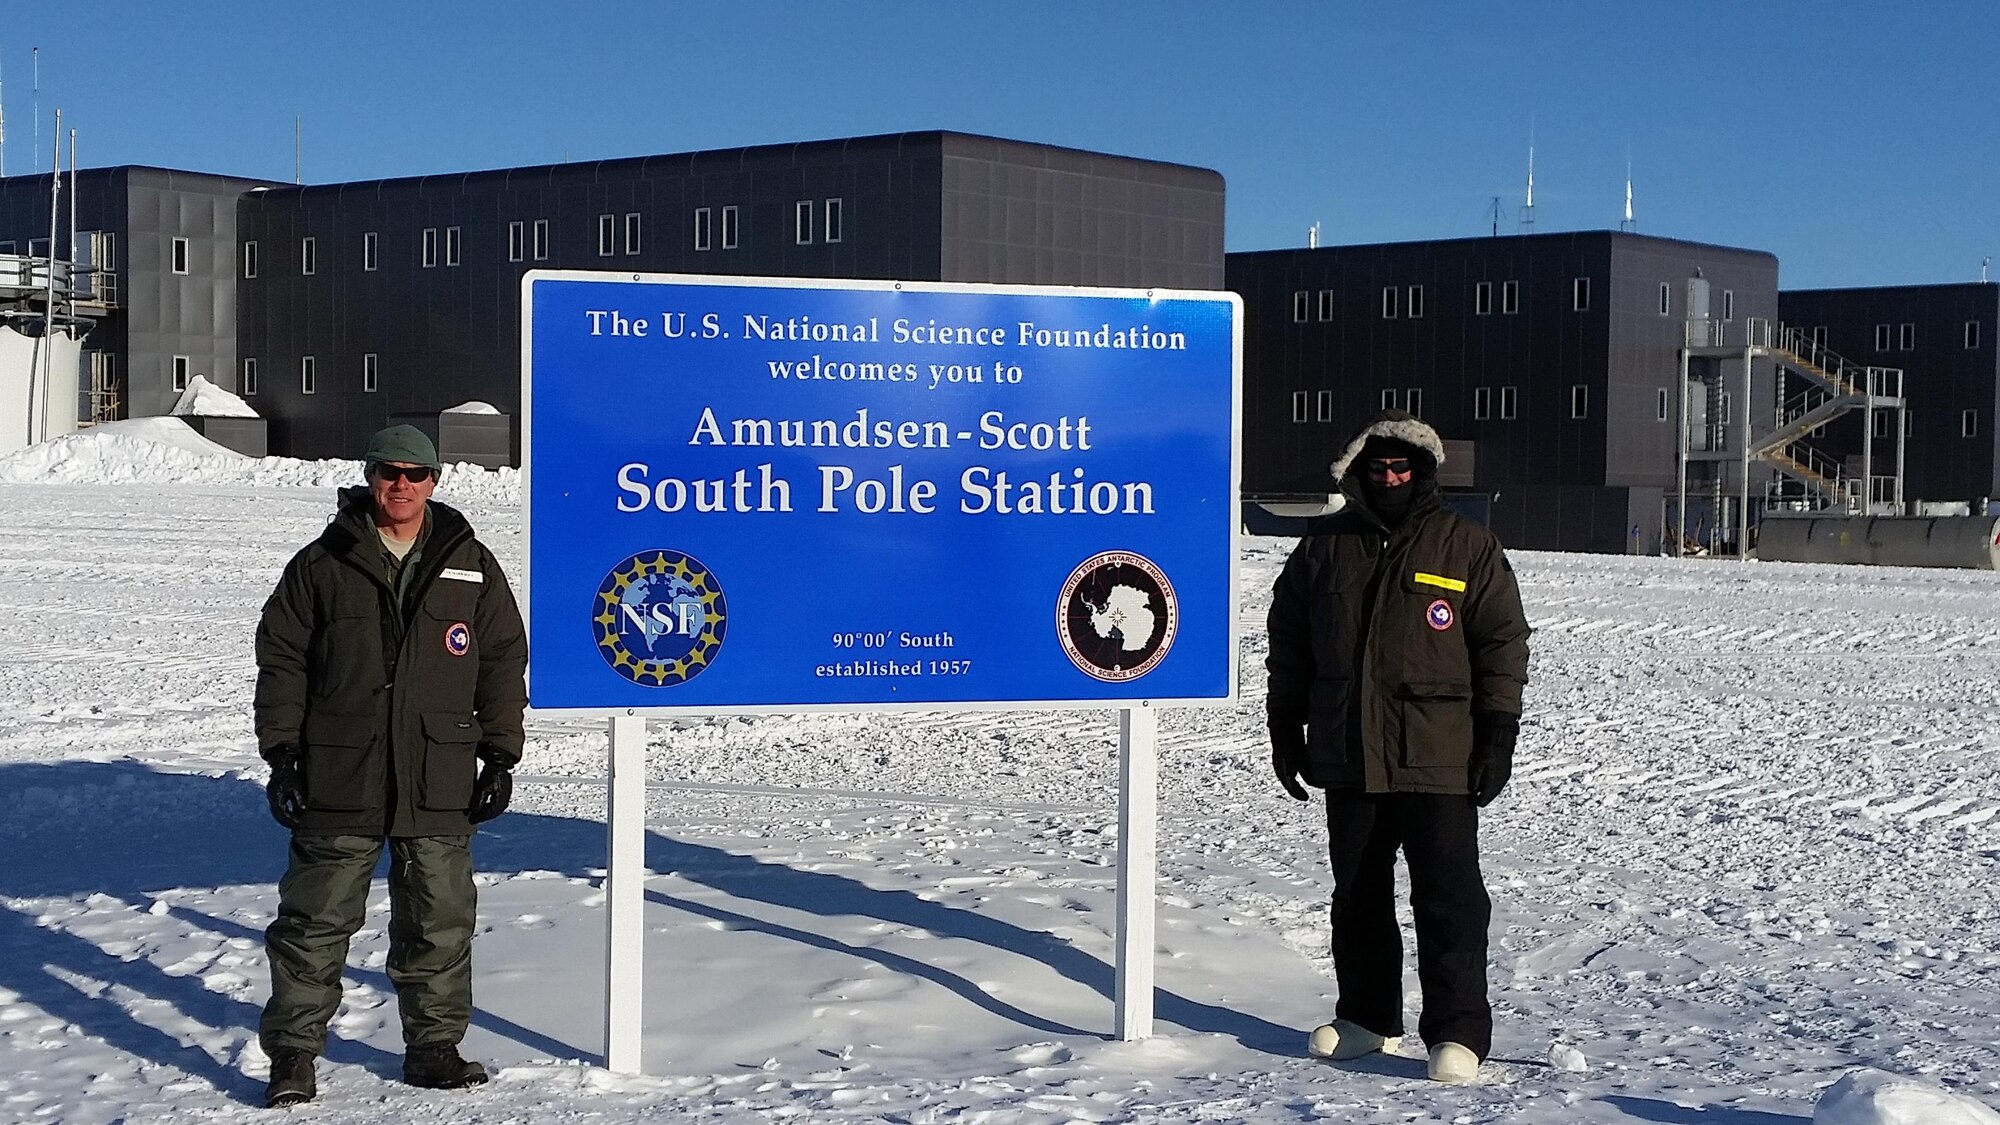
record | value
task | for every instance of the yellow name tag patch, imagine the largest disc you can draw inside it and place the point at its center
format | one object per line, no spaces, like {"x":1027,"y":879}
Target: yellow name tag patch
{"x":1440,"y":581}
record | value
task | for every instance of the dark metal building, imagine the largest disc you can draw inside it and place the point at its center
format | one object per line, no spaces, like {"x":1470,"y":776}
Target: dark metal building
{"x":1556,"y":356}
{"x":364,"y":300}
{"x":159,"y":248}
{"x":1943,"y":337}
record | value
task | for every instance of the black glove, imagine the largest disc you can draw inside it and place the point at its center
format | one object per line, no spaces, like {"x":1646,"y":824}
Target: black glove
{"x":286,"y":791}
{"x":1288,"y":754}
{"x":492,"y":789}
{"x":1492,"y":763}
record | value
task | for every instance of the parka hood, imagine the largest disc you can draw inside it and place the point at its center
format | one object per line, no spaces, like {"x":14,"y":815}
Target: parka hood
{"x":1397,"y":424}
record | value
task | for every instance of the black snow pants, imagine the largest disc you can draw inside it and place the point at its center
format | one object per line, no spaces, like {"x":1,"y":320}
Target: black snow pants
{"x":1438,"y":834}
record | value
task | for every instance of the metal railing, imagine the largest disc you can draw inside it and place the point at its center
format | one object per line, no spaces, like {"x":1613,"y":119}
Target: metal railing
{"x":21,"y":275}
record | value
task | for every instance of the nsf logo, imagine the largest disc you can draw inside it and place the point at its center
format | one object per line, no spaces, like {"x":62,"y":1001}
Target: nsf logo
{"x":659,"y":618}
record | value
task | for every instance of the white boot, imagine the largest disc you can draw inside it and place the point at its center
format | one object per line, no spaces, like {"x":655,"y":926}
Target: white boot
{"x":1451,"y":1062}
{"x":1343,"y":1040}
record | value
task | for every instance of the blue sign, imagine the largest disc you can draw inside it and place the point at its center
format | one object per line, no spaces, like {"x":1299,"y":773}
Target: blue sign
{"x":774,"y":494}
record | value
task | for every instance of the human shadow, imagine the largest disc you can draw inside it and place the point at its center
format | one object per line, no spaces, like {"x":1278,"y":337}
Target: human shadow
{"x":129,"y":832}
{"x":126,"y":832}
{"x":529,"y":842}
{"x":1653,"y":1109}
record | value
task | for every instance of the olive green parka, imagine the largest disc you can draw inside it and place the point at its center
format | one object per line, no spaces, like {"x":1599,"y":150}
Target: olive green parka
{"x":1385,"y":642}
{"x":391,"y":698}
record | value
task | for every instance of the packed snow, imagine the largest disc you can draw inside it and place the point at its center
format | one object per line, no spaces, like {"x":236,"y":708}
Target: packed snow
{"x":206,"y":399}
{"x":1748,"y":871}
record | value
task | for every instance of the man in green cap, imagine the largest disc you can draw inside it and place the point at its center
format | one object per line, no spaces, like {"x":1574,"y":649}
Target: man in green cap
{"x":391,"y":665}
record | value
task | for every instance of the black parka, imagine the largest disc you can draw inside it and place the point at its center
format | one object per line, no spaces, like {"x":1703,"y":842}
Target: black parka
{"x":390,"y":698}
{"x":1386,"y":642}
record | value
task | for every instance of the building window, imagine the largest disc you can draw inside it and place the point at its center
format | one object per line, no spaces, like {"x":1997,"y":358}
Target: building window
{"x":1881,"y":337}
{"x":451,"y":245}
{"x":802,"y":222}
{"x":541,"y":243}
{"x":429,"y":256}
{"x":1389,"y":399}
{"x":607,"y":235}
{"x":1482,"y":299}
{"x":1413,"y":306}
{"x":1666,"y":298}
{"x":1909,"y":422}
{"x":1390,"y":296}
{"x":1907,"y":337}
{"x":370,"y":255}
{"x":1971,"y":335}
{"x":632,"y":232}
{"x":371,"y":372}
{"x":1729,"y":304}
{"x":729,"y":227}
{"x":1413,"y":401}
{"x":1301,"y":303}
{"x":1579,"y":401}
{"x":180,"y":254}
{"x":1662,"y":404}
{"x":1510,"y":298}
{"x":1507,"y":403}
{"x":1819,"y":336}
{"x":1482,"y":403}
{"x":1326,"y":304}
{"x":1968,"y":423}
{"x":517,"y":240}
{"x":249,"y":383}
{"x":1299,"y":406}
{"x":308,"y":376}
{"x":1723,"y":411}
{"x":833,"y":220}
{"x":9,"y":246}
{"x":180,"y":376}
{"x":39,"y":248}
{"x":250,"y":258}
{"x":309,"y":255}
{"x":1880,"y":425}
{"x":1325,"y":406}
{"x":701,"y":220}
{"x":1579,"y":294}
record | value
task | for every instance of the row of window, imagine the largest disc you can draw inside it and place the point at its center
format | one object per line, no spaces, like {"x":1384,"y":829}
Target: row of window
{"x":371,"y":374}
{"x":822,"y":222}
{"x":1408,"y":301}
{"x":1905,"y":337}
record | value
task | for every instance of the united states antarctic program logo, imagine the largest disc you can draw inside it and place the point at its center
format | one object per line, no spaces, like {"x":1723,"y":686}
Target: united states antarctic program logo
{"x":659,"y":618}
{"x":1117,"y":616}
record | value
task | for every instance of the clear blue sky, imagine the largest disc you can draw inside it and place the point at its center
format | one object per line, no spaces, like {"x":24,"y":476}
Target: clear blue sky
{"x":1857,"y":141}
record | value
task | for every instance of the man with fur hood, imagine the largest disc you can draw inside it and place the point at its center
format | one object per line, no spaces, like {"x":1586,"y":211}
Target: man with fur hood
{"x":1399,"y":649}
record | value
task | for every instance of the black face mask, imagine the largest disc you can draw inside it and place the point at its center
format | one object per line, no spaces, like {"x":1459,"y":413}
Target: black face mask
{"x":1390,"y":505}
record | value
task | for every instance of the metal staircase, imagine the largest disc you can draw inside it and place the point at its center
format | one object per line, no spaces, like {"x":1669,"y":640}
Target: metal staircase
{"x":1808,"y":479}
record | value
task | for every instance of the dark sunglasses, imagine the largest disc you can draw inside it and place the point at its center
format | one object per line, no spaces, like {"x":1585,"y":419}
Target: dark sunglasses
{"x":1382,"y":467}
{"x":415,"y":474}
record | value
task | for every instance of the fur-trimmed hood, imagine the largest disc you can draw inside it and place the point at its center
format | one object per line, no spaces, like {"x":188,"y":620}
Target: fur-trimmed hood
{"x":1397,"y":424}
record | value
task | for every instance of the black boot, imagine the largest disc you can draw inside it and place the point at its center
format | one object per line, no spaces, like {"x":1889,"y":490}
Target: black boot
{"x":292,"y":1080}
{"x":439,"y":1067}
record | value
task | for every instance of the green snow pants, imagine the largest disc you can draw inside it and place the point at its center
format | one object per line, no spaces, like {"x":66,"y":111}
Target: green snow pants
{"x":323,"y":900}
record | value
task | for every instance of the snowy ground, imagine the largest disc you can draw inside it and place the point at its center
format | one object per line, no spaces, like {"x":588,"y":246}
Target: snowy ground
{"x":1753,"y":844}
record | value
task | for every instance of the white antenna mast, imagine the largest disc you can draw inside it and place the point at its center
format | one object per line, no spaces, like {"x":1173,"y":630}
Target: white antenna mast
{"x":1629,"y":224}
{"x":1528,"y":211}
{"x":38,"y":109}
{"x":3,"y":126}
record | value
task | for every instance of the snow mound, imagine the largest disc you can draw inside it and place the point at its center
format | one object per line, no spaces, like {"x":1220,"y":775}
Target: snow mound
{"x":473,"y":407}
{"x":1873,"y":1097}
{"x":208,"y":400}
{"x":168,"y":451}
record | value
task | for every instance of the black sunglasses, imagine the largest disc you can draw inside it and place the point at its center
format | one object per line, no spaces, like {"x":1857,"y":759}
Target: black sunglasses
{"x":415,"y":474}
{"x":1382,"y":467}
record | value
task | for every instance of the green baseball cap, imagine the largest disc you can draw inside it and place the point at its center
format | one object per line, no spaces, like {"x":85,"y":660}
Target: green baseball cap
{"x":406,"y":444}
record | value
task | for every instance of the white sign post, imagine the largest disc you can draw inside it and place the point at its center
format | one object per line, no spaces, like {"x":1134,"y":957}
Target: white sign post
{"x":1138,"y":816}
{"x":625,"y":897}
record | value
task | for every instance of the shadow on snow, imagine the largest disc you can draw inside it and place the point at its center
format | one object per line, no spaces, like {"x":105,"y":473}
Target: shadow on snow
{"x":127,"y":831}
